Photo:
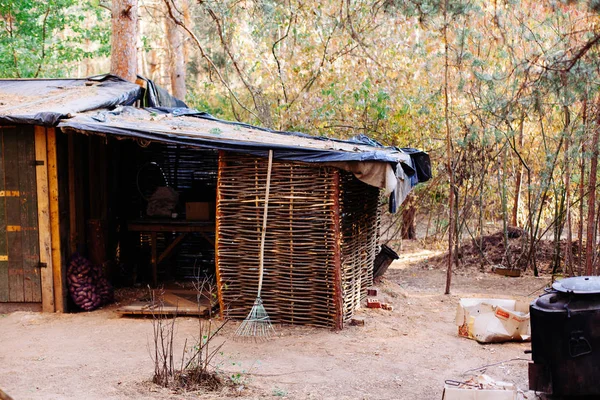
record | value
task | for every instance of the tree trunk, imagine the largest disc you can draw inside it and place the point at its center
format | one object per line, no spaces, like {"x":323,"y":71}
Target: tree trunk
{"x":123,"y":58}
{"x":582,"y":193}
{"x":409,"y":211}
{"x":569,"y":270}
{"x":451,"y":213}
{"x":580,"y":268}
{"x":518,"y":183}
{"x":589,"y":245}
{"x":176,"y":50}
{"x":504,"y":204}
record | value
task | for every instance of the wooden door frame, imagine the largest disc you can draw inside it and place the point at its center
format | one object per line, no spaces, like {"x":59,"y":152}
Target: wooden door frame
{"x":53,"y":282}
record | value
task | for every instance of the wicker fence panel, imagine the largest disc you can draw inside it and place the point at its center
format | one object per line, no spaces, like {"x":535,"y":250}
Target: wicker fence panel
{"x":360,"y":229}
{"x":299,"y":248}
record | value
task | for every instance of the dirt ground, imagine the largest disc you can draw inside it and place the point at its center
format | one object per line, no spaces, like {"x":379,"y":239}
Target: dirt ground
{"x":406,"y":353}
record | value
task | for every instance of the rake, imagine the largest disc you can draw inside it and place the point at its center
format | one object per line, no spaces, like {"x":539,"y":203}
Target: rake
{"x":257,"y":324}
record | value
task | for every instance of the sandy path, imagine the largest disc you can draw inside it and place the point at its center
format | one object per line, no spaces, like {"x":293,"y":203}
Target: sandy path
{"x":403,"y":354}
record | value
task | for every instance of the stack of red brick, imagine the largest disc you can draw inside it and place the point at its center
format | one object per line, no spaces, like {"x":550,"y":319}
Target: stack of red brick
{"x":373,"y":302}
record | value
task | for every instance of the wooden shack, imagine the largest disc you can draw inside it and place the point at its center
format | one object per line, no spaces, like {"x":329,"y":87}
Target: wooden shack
{"x":73,"y":183}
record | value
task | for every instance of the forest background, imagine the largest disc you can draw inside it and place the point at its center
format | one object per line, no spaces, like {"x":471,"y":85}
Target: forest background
{"x":503,"y":95}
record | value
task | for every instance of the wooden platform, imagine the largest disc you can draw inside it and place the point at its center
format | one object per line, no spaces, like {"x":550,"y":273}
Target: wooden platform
{"x":173,"y":302}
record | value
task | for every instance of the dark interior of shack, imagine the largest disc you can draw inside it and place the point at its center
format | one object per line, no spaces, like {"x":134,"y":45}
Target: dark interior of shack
{"x":109,"y":185}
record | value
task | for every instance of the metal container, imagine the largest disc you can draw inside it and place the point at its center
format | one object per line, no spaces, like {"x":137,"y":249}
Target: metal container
{"x":383,"y":260}
{"x":565,"y":339}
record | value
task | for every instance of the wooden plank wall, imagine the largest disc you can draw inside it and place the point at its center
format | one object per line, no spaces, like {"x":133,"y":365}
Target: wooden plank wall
{"x":29,"y":218}
{"x":77,"y":150}
{"x":20,"y":280}
{"x":4,"y":291}
{"x":14,"y":238}
{"x":32,"y":254}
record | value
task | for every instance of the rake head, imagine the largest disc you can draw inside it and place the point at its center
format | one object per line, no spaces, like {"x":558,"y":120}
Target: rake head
{"x":257,"y":324}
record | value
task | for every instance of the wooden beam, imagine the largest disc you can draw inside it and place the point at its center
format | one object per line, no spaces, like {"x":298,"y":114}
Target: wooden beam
{"x":171,"y":226}
{"x":338,"y":296}
{"x":97,"y":175}
{"x":43,"y":206}
{"x":72,"y":198}
{"x":167,"y":252}
{"x":80,"y":193}
{"x":220,"y":167}
{"x":153,"y":259}
{"x":57,"y":272}
{"x":208,"y":239}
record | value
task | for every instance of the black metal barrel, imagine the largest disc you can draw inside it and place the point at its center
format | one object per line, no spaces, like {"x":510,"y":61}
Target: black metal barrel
{"x":565,"y":339}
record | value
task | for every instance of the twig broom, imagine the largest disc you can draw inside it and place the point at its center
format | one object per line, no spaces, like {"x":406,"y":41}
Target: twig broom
{"x":257,"y":324}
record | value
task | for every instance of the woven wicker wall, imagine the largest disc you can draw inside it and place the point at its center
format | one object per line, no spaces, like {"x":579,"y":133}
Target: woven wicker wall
{"x":360,"y":230}
{"x":300,"y":242}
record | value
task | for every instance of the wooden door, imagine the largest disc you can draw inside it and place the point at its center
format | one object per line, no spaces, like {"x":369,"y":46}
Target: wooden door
{"x":19,"y":242}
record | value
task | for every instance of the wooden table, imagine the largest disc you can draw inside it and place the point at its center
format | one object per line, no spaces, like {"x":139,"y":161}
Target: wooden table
{"x":183,"y":227}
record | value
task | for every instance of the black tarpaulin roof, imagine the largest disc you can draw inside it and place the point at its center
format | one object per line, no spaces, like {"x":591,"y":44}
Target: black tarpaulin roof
{"x":102,"y":105}
{"x":47,"y":101}
{"x":193,"y":128}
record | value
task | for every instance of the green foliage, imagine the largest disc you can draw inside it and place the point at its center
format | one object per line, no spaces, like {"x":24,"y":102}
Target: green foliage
{"x":49,"y":38}
{"x":279,"y":392}
{"x":515,"y":68}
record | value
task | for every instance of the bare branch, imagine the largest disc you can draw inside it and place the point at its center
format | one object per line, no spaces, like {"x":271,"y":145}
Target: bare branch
{"x":9,"y":28}
{"x":236,"y":66}
{"x":170,"y":7}
{"x":591,"y":43}
{"x":39,"y":68}
{"x":357,"y":38}
{"x":315,"y":75}
{"x":287,"y":32}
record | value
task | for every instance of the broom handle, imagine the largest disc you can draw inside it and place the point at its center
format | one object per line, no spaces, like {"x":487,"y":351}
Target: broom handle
{"x":263,"y":234}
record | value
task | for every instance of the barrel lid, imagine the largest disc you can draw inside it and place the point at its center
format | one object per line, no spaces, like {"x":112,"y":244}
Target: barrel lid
{"x":578,"y":285}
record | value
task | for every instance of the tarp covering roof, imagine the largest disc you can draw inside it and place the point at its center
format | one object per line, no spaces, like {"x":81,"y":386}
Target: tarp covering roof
{"x":47,"y":101}
{"x":103,"y":105}
{"x":193,"y":128}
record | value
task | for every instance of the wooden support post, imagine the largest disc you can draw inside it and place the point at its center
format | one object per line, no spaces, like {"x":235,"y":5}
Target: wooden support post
{"x":220,"y":167}
{"x":79,"y":170}
{"x":153,"y":259}
{"x":338,"y":296}
{"x":57,"y":272}
{"x":72,"y":198}
{"x":43,"y":206}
